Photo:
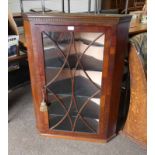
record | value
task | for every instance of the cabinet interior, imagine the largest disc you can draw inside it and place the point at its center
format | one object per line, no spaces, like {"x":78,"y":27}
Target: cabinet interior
{"x":73,"y":69}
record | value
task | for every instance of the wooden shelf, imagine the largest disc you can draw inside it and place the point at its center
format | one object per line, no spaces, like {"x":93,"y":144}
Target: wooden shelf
{"x":17,"y":58}
{"x":80,"y":126}
{"x":83,"y":87}
{"x":91,"y":111}
{"x":139,"y":28}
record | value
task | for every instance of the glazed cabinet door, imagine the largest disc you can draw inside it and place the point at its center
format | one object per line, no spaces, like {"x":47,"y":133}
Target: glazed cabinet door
{"x":73,"y":72}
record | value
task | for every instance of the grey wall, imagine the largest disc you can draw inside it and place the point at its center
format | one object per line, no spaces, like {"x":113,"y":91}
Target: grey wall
{"x":76,"y":5}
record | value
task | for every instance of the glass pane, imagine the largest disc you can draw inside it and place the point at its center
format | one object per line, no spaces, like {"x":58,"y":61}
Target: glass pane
{"x":73,"y":66}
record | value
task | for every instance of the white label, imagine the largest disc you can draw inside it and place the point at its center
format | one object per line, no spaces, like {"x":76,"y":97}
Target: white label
{"x":70,"y":28}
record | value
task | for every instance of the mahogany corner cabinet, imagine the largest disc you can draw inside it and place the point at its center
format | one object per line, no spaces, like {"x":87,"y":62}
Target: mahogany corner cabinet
{"x":76,"y":66}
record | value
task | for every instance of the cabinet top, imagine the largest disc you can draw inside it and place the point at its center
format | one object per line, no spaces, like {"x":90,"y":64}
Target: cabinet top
{"x":82,"y":18}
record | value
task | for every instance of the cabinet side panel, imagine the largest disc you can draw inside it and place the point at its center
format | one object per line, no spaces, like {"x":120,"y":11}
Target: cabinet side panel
{"x":41,"y":118}
{"x":121,"y":49}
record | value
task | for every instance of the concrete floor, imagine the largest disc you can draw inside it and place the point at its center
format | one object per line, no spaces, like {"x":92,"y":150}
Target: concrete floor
{"x":25,"y":140}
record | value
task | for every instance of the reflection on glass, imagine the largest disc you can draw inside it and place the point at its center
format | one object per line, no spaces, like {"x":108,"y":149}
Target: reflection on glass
{"x":73,"y":65}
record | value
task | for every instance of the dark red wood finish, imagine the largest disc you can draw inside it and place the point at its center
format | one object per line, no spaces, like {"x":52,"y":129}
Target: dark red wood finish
{"x":116,"y":29}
